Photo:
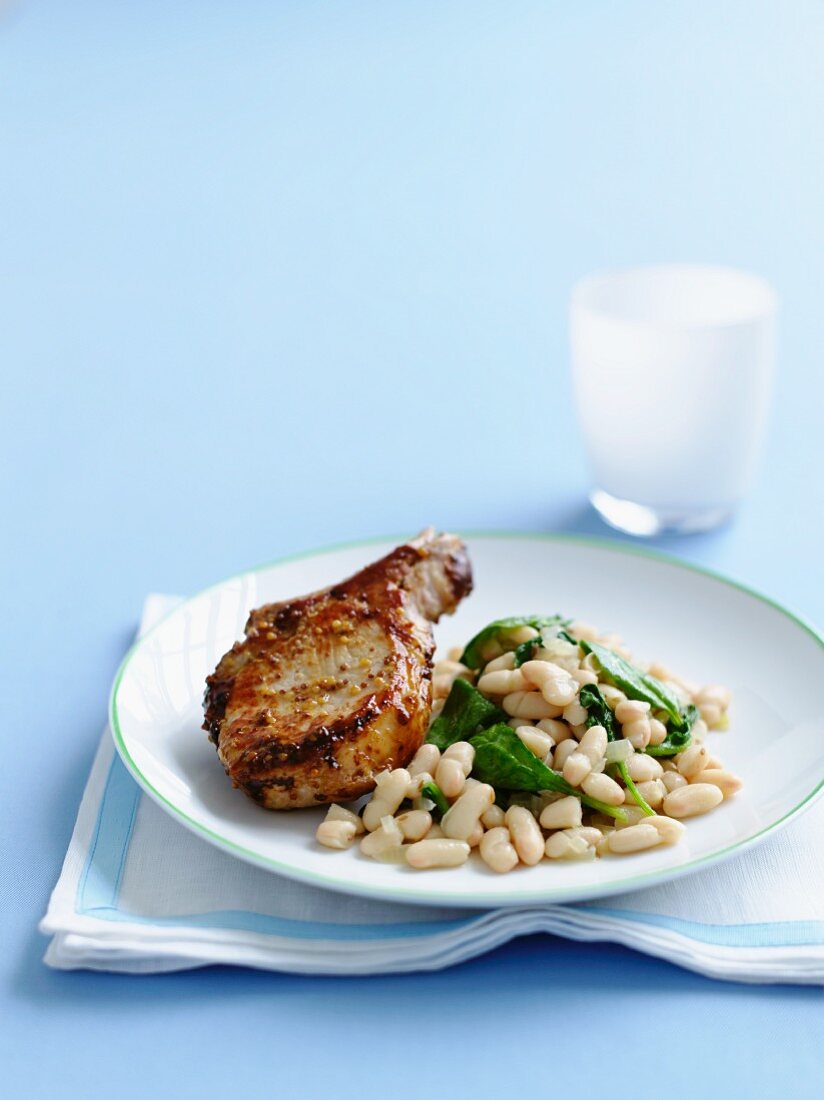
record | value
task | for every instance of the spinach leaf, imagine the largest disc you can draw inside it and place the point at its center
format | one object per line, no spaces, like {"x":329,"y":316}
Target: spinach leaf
{"x":433,"y":792}
{"x":504,"y":761}
{"x":633,"y":682}
{"x":525,"y":650}
{"x":472,"y":655}
{"x":465,"y":712}
{"x":599,"y":713}
{"x":677,"y":739}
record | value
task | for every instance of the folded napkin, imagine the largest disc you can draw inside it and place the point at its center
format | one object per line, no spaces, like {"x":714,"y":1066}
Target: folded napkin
{"x":141,"y":894}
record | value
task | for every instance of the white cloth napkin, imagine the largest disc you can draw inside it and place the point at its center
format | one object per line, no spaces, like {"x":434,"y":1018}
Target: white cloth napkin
{"x":139,"y":893}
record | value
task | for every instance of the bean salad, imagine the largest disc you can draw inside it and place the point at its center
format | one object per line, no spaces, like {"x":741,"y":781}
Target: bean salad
{"x":548,"y":741}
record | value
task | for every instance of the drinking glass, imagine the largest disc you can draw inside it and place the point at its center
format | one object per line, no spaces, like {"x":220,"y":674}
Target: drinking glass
{"x":672,"y":370}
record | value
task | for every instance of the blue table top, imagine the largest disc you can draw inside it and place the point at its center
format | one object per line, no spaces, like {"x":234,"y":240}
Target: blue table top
{"x":276,"y":276}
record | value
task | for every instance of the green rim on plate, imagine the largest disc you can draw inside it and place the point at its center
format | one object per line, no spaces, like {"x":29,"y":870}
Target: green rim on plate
{"x":476,"y":900}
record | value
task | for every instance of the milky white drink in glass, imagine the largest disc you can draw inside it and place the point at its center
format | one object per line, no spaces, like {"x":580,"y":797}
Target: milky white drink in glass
{"x":672,"y":369}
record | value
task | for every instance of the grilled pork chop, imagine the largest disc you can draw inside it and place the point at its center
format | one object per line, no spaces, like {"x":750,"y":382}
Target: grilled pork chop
{"x":328,"y":690}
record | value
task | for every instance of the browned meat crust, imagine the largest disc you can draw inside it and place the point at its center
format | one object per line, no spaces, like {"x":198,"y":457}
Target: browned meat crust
{"x":327,"y":690}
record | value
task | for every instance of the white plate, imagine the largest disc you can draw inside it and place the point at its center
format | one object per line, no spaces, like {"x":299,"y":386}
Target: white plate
{"x":706,"y":628}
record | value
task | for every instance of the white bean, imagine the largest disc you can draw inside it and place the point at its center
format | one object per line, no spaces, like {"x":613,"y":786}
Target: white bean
{"x":659,"y":671}
{"x":476,"y":836}
{"x":555,"y":683}
{"x":340,"y":813}
{"x":642,"y":767}
{"x":463,"y":752}
{"x":653,"y":792}
{"x":564,"y":846}
{"x":711,"y":714}
{"x":575,"y":714}
{"x":426,"y":854}
{"x":450,"y":776}
{"x":493,"y":818}
{"x":726,"y":782}
{"x":566,"y":813}
{"x":506,"y":661}
{"x":699,"y":730}
{"x":669,"y":830}
{"x":526,"y":836}
{"x":441,"y":686}
{"x":637,"y":732}
{"x":692,"y":761}
{"x":497,"y":851}
{"x":630,"y":710}
{"x":538,"y":742}
{"x":529,"y":704}
{"x":558,"y":731}
{"x":713,"y":693}
{"x":633,"y":815}
{"x":448,"y":665}
{"x":585,"y":630}
{"x":464,"y":814}
{"x":502,"y":682}
{"x":563,"y":752}
{"x":389,"y":793}
{"x":543,"y":799}
{"x":657,"y":731}
{"x":414,"y":824}
{"x":583,"y":676}
{"x":635,"y":838}
{"x":673,"y":780}
{"x":696,"y":798}
{"x":594,"y":743}
{"x":425,"y":760}
{"x":587,"y":832}
{"x":602,"y":847}
{"x":612,"y":694}
{"x":604,"y":789}
{"x":577,"y":767}
{"x":335,"y":834}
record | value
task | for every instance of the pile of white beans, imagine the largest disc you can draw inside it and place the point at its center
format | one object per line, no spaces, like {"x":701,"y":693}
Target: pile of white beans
{"x":541,"y":698}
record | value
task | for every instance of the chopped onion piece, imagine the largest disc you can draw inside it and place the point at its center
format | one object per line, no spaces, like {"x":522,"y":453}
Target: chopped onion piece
{"x":618,"y":751}
{"x":423,"y":804}
{"x":391,"y":829}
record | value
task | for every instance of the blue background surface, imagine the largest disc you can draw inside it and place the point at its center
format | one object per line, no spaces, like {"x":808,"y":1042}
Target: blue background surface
{"x":278,"y":275}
